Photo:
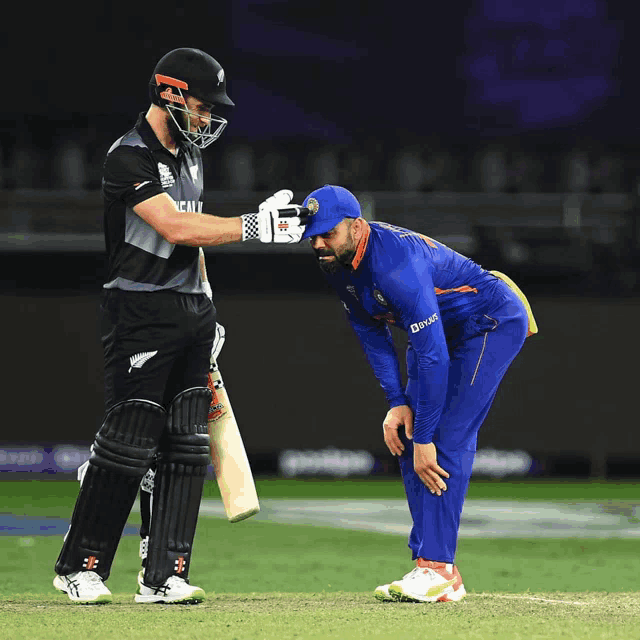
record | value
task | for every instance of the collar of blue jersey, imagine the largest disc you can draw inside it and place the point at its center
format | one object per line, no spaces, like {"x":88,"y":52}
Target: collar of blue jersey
{"x":362,"y":246}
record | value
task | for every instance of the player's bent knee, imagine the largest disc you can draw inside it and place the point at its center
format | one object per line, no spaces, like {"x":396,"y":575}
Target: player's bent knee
{"x":186,"y":440}
{"x":189,"y":408}
{"x":129,"y":436}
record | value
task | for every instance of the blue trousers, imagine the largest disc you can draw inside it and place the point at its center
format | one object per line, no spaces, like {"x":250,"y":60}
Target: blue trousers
{"x":479,"y":357}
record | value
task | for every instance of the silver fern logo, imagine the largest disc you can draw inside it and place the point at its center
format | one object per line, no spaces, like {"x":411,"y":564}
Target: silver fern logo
{"x":139,"y":359}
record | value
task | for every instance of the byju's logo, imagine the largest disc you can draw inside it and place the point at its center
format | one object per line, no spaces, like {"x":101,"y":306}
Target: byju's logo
{"x":418,"y":326}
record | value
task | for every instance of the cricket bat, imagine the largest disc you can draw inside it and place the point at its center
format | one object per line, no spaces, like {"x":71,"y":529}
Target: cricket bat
{"x":228,"y":454}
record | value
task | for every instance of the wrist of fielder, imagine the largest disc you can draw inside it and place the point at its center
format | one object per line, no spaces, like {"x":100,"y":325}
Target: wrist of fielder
{"x":420,"y":437}
{"x":398,"y":401}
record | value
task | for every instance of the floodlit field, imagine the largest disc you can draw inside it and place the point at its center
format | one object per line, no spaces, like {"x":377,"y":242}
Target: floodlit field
{"x":269,"y":580}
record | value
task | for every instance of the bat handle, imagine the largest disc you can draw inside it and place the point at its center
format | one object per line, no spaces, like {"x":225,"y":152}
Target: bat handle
{"x":292,"y":211}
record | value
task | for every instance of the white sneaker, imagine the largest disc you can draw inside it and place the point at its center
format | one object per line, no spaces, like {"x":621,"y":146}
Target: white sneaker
{"x":382,"y":593}
{"x":175,"y":590}
{"x":83,"y":586}
{"x":430,"y":582}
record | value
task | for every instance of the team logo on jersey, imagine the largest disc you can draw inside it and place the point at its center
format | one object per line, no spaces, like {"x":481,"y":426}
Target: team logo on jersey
{"x":352,"y":290}
{"x":166,"y":177}
{"x":194,"y":172}
{"x":313,"y":205}
{"x":380,"y":298}
{"x":139,"y":359}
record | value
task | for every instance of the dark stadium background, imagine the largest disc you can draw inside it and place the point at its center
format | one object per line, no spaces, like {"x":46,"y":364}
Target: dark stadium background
{"x":507,"y":130}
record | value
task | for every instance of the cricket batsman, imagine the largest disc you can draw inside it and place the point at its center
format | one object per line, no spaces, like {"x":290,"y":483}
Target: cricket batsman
{"x":158,"y":325}
{"x":465,"y":326}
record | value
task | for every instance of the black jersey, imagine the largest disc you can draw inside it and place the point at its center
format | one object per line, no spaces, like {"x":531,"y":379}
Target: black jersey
{"x":138,"y":167}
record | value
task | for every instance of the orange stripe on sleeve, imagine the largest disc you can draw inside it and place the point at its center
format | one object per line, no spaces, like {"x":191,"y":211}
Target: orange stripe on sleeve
{"x":429,"y":241}
{"x":465,"y":289}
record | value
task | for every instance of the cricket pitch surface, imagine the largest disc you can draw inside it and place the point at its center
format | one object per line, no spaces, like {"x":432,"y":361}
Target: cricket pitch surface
{"x":480,"y":518}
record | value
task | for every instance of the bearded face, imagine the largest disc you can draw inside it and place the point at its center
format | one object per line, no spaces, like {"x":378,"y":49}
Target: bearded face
{"x":335,"y":249}
{"x":193,"y":123}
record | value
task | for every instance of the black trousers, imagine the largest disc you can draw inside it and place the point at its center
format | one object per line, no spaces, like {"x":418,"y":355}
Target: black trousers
{"x":156,"y":344}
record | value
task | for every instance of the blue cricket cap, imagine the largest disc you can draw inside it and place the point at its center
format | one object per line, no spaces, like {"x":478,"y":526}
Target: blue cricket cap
{"x":328,"y":206}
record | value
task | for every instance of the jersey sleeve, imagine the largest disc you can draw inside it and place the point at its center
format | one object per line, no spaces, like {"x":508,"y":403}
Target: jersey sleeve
{"x":130,"y":175}
{"x":410,"y":291}
{"x":377,"y":344}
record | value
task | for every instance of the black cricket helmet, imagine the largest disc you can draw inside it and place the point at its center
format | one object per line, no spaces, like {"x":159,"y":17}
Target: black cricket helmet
{"x":194,"y":72}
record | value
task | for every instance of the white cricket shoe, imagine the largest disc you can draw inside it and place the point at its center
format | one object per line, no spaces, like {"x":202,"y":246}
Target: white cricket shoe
{"x":175,"y":590}
{"x":83,"y":586}
{"x":429,"y":582}
{"x":382,"y":593}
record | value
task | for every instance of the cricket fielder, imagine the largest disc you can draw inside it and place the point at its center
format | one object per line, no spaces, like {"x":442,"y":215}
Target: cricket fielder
{"x":465,"y":327}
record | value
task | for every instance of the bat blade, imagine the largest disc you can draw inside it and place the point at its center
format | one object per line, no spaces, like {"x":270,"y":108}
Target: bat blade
{"x":228,"y":455}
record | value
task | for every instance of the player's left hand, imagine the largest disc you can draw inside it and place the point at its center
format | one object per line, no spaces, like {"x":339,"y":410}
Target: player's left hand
{"x":425,"y":463}
{"x":281,"y":225}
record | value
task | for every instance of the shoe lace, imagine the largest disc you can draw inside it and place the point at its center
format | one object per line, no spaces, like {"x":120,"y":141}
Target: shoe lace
{"x":175,"y":581}
{"x":412,"y":573}
{"x":91,"y":579}
{"x":92,"y":576}
{"x":422,"y":573}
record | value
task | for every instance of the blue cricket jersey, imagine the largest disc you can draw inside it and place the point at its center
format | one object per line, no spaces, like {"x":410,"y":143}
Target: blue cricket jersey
{"x":404,"y":278}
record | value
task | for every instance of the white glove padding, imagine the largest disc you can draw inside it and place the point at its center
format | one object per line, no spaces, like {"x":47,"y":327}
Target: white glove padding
{"x":268,"y":225}
{"x":218,"y":342}
{"x":278,"y":200}
{"x":273,"y":226}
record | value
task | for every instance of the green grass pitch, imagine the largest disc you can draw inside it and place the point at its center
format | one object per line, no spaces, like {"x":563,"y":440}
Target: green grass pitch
{"x":268,"y":580}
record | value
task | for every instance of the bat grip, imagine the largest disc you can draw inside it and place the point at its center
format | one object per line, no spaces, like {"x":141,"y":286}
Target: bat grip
{"x":292,"y":211}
